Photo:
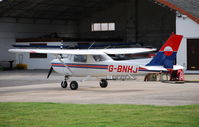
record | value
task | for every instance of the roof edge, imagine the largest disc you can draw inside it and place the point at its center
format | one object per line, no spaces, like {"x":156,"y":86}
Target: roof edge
{"x":170,"y":5}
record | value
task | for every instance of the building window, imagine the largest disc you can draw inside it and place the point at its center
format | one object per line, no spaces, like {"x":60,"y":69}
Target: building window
{"x":38,"y":55}
{"x":103,"y":27}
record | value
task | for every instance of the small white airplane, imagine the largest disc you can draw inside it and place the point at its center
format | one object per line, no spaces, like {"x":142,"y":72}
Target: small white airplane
{"x":96,"y":62}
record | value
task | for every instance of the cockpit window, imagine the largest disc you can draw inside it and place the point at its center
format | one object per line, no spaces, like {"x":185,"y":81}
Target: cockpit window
{"x":65,"y":56}
{"x":80,"y":58}
{"x":98,"y":58}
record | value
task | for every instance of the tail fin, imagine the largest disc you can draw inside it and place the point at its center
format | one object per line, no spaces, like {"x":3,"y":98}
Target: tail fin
{"x":167,"y":53}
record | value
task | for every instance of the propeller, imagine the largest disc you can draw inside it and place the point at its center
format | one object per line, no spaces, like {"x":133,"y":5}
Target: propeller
{"x":51,"y":69}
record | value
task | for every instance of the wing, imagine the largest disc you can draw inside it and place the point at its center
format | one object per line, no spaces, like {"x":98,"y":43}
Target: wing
{"x":85,"y":51}
{"x":127,"y":50}
{"x":56,"y":51}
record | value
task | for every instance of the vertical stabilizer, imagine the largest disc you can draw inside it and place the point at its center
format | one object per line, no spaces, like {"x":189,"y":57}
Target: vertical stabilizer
{"x":167,"y":53}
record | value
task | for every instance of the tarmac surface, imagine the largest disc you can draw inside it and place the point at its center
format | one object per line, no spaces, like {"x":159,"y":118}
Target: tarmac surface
{"x":32,"y":86}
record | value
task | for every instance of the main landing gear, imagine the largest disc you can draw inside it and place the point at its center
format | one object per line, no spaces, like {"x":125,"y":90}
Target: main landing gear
{"x":103,"y":83}
{"x":73,"y":84}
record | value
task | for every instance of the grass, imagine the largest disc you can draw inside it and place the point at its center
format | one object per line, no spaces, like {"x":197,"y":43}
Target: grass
{"x":80,"y":115}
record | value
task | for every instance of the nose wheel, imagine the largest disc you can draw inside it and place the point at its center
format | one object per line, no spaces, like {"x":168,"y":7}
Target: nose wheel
{"x":103,"y":83}
{"x":73,"y":84}
{"x":64,"y":84}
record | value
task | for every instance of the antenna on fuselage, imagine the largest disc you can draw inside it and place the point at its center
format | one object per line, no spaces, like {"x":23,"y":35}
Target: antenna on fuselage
{"x":91,"y":45}
{"x":61,"y":47}
{"x":107,"y":47}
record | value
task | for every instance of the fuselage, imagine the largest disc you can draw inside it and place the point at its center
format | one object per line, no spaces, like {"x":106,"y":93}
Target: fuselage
{"x":106,"y":67}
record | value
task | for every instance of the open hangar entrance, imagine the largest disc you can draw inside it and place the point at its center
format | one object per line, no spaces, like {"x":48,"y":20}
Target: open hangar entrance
{"x":138,"y":21}
{"x":135,"y":21}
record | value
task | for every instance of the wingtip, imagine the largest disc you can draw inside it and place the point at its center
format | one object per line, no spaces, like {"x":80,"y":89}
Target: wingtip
{"x":10,"y":50}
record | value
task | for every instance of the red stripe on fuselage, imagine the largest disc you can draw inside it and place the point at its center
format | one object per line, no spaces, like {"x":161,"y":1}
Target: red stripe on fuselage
{"x":142,"y":68}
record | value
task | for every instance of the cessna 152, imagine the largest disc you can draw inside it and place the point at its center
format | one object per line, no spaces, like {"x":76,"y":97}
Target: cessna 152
{"x":96,"y":62}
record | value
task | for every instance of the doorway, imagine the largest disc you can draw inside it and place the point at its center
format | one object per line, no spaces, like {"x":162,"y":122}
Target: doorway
{"x":192,"y":54}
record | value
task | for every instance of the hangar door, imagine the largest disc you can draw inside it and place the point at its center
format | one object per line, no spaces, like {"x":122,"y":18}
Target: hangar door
{"x":193,"y":54}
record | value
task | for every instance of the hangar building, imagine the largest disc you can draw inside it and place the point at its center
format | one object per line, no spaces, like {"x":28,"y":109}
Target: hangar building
{"x":32,"y":23}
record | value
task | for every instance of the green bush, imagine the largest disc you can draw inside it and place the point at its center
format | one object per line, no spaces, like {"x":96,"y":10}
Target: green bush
{"x":1,"y":68}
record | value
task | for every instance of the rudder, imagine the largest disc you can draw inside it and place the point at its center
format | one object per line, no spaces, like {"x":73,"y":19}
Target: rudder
{"x":167,"y":53}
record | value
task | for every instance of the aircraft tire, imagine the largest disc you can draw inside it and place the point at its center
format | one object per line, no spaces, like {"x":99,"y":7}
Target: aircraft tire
{"x":64,"y":84}
{"x":103,"y":83}
{"x":73,"y":85}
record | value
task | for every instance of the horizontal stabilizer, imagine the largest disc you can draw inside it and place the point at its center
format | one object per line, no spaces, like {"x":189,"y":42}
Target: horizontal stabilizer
{"x":159,"y":68}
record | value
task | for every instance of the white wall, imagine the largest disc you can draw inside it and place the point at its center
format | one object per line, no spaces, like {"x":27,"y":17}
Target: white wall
{"x":190,"y":30}
{"x":11,"y":28}
{"x":36,"y":63}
